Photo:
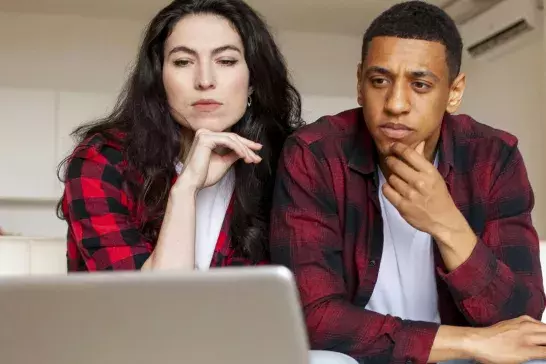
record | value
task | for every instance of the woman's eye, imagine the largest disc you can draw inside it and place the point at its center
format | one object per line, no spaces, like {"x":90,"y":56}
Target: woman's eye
{"x":227,"y":62}
{"x":181,"y":62}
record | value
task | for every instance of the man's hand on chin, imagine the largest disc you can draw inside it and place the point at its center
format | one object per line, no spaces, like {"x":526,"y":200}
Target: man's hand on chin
{"x":418,"y":191}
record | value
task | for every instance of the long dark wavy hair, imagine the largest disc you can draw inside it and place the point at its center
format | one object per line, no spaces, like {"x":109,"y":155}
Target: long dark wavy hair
{"x":152,"y":137}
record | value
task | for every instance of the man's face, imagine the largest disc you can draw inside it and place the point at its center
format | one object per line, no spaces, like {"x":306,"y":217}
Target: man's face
{"x":404,"y":88}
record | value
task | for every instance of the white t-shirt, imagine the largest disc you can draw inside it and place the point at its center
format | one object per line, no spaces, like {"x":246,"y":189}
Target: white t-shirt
{"x":406,"y":282}
{"x":211,"y":207}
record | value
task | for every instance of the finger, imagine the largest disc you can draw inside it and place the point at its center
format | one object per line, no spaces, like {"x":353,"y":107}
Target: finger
{"x":254,"y":157}
{"x":201,"y":131}
{"x":421,"y":148}
{"x":392,"y":195}
{"x":411,"y":157}
{"x":404,"y":189}
{"x":230,"y":158}
{"x":536,"y":339}
{"x":404,"y":171}
{"x":216,"y":140}
{"x":251,"y":156}
{"x":249,"y":143}
{"x":537,"y":353}
{"x":244,"y":144}
{"x":536,"y":327}
{"x":250,"y":147}
{"x":231,"y":141}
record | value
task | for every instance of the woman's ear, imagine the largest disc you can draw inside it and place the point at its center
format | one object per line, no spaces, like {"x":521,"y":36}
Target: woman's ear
{"x":250,"y":90}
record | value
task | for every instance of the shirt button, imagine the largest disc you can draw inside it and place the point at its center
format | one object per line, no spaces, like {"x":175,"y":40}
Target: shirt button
{"x":372,"y":263}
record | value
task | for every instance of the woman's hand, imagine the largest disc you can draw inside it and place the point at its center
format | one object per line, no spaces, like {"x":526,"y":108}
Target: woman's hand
{"x":212,"y":154}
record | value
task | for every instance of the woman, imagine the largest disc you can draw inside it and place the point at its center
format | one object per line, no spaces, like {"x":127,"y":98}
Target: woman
{"x":180,"y":175}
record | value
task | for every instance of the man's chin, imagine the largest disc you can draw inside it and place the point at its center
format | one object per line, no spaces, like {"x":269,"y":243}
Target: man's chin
{"x":384,"y":146}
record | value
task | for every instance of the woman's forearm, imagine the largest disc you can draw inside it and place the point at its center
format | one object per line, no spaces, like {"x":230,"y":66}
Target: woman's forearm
{"x":175,"y":248}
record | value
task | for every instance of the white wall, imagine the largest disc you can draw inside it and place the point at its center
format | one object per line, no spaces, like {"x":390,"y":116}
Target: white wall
{"x":65,"y":52}
{"x":506,"y":90}
{"x":57,"y":71}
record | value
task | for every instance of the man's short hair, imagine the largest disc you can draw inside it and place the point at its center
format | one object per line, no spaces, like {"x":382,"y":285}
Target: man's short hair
{"x":419,"y":20}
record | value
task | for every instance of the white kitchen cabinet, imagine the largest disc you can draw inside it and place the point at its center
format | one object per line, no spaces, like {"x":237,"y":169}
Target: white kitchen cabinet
{"x":27,"y":150}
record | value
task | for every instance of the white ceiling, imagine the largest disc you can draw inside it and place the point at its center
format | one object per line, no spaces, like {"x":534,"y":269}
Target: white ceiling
{"x":346,"y":16}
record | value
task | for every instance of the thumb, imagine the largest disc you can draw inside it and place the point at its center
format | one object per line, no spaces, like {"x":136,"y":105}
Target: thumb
{"x":421,"y":148}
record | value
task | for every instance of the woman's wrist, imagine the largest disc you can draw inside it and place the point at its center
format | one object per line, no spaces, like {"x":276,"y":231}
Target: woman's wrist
{"x":184,"y":187}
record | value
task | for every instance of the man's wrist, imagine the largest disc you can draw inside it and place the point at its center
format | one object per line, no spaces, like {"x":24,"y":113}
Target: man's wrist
{"x":453,"y":343}
{"x":452,"y":239}
{"x":454,"y":235}
{"x":455,"y":245}
{"x":471,"y":341}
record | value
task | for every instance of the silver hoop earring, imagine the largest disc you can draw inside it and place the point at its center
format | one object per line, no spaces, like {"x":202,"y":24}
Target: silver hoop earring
{"x":249,"y":101}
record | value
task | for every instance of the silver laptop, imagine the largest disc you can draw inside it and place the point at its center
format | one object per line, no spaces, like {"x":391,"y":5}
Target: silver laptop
{"x":222,"y":316}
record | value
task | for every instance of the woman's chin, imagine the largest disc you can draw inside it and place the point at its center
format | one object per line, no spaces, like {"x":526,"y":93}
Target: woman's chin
{"x":214,"y":124}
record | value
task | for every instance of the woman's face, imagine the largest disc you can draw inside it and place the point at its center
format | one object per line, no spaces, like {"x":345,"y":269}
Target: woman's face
{"x":205,"y":74}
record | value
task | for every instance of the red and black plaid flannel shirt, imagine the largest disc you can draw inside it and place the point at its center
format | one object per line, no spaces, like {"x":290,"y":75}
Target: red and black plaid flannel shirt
{"x":327,"y":228}
{"x":103,"y":223}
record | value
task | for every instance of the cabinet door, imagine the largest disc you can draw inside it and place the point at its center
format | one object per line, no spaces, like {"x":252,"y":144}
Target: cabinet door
{"x":14,"y":256}
{"x":27,"y":150}
{"x":48,"y":256}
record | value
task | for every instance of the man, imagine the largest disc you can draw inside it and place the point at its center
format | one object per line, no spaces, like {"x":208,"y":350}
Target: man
{"x":409,"y":229}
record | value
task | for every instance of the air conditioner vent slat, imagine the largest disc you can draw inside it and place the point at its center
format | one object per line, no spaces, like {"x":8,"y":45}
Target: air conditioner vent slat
{"x":502,"y":26}
{"x":503,"y":36}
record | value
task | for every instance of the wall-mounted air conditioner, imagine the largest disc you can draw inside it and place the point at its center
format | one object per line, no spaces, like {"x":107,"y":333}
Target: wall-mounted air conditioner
{"x":490,"y":24}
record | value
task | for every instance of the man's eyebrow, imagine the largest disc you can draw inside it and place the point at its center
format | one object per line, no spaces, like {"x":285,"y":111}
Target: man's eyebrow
{"x":413,"y":74}
{"x":377,"y":69}
{"x":424,"y":74}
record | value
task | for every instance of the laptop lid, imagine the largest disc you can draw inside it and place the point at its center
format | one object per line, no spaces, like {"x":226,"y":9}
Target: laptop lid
{"x":243,"y":315}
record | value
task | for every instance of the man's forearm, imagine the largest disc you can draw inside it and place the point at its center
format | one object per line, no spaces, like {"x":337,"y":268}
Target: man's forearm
{"x":450,"y":343}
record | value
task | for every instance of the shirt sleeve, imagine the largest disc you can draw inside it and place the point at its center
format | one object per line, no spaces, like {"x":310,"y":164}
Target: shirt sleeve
{"x":502,"y":278}
{"x":97,"y":212}
{"x":306,"y":237}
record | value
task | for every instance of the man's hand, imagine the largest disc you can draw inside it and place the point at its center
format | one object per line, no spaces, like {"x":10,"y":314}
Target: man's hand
{"x":509,"y":342}
{"x":419,"y":193}
{"x":514,"y":341}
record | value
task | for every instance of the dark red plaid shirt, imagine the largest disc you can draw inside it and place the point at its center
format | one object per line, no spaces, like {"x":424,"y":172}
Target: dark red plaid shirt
{"x":327,"y":228}
{"x":103,"y":221}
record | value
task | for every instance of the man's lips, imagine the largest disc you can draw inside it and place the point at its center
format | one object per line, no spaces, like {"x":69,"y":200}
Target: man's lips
{"x":396,"y":131}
